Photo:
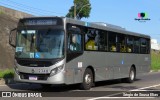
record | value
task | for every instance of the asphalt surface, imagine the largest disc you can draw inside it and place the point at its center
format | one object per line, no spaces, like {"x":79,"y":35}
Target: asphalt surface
{"x":145,"y":87}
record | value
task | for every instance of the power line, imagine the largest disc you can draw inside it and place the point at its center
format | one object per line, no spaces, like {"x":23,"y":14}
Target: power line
{"x":20,"y":5}
{"x":27,"y":11}
{"x":33,"y":8}
{"x":21,"y":9}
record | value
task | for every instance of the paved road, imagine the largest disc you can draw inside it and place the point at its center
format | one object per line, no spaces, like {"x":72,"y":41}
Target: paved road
{"x":112,"y":89}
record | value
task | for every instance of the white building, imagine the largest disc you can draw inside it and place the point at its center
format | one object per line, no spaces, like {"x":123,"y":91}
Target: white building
{"x":155,"y":45}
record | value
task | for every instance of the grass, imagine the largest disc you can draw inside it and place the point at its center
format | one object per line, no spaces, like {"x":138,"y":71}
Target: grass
{"x":155,"y":61}
{"x":8,"y":73}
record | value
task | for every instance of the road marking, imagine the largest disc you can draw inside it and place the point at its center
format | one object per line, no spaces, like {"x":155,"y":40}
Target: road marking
{"x":145,"y":87}
{"x":108,"y":96}
{"x":122,"y":98}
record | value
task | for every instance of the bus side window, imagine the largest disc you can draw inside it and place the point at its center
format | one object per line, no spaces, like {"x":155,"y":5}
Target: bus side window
{"x":136,"y":45}
{"x":96,"y":40}
{"x":143,"y":46}
{"x":90,"y":43}
{"x":148,"y":46}
{"x":74,"y":42}
{"x":112,"y":39}
{"x":121,"y":43}
{"x":101,"y":41}
{"x":129,"y":44}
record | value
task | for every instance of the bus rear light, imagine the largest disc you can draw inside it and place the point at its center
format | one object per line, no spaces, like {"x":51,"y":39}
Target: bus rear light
{"x":56,"y":70}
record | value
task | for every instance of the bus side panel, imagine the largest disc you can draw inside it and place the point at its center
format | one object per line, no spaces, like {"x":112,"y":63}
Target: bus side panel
{"x":143,"y":63}
{"x":74,"y":70}
{"x":98,"y":61}
{"x":114,"y":60}
{"x":107,"y":65}
{"x":140,"y":61}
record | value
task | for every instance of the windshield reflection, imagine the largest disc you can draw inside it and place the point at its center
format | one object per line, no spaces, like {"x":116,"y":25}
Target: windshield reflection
{"x":40,"y":44}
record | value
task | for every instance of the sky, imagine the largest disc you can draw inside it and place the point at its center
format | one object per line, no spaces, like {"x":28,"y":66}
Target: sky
{"x":116,"y":12}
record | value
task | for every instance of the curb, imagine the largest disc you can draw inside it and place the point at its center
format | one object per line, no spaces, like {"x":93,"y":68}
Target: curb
{"x":154,"y":71}
{"x":9,"y":81}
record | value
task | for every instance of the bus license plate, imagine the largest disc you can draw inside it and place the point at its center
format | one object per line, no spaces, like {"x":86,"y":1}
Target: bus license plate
{"x":33,"y":78}
{"x":43,"y":71}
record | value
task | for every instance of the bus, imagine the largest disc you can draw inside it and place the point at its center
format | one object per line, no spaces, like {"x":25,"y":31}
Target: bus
{"x":60,"y":50}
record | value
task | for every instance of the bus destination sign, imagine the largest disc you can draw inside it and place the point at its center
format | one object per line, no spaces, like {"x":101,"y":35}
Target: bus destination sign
{"x":40,"y":22}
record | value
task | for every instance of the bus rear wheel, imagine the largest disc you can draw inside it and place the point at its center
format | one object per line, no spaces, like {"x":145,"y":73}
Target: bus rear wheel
{"x":87,"y":79}
{"x":132,"y":75}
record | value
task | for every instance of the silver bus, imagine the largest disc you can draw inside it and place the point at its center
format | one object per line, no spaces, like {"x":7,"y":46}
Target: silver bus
{"x":59,"y":50}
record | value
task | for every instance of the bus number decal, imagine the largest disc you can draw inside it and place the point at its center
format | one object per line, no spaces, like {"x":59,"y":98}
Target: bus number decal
{"x":146,"y":59}
{"x":31,"y":55}
{"x":79,"y":64}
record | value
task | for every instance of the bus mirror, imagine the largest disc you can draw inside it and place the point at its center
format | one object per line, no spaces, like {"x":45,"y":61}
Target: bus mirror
{"x":12,"y":37}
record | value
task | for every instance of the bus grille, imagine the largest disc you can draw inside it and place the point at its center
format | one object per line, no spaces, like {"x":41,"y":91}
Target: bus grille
{"x":39,"y":76}
{"x":29,"y":63}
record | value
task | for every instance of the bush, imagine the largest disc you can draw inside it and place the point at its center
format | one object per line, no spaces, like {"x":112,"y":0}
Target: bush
{"x":8,"y":73}
{"x":155,"y":61}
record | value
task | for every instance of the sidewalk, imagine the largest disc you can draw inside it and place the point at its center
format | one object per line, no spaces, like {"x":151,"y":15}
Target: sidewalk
{"x":2,"y":81}
{"x":7,"y":81}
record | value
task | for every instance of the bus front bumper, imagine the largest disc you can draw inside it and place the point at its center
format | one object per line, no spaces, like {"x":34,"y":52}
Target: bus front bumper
{"x":41,"y":79}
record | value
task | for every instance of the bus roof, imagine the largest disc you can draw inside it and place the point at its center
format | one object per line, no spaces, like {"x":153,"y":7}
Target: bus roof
{"x":107,"y":27}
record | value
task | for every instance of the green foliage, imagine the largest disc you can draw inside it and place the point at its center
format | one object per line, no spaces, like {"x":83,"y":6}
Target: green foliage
{"x":8,"y":73}
{"x":155,"y":61}
{"x":83,"y":9}
{"x":1,"y":12}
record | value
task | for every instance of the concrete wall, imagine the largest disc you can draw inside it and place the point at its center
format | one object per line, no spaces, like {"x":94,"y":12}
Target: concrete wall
{"x":13,"y":13}
{"x":8,"y":20}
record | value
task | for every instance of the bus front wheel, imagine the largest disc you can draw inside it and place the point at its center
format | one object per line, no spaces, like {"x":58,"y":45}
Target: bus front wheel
{"x":87,"y":79}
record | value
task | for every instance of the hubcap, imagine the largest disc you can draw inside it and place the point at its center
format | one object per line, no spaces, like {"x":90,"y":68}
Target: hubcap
{"x":88,"y":79}
{"x":132,"y":75}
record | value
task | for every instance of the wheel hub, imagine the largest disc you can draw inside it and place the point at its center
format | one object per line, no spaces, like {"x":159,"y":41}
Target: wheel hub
{"x":132,"y":75}
{"x":88,"y":79}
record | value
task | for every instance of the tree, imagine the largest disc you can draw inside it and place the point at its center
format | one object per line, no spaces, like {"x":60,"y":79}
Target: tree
{"x":83,"y":9}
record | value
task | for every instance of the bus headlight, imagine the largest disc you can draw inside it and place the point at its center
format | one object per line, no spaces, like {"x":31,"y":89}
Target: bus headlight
{"x":16,"y":70}
{"x":56,"y":70}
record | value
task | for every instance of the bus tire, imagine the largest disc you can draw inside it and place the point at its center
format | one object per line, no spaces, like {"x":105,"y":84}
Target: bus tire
{"x":87,"y":79}
{"x":132,"y":75}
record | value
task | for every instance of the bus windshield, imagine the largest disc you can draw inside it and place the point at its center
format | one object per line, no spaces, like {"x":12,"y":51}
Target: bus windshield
{"x":46,"y":44}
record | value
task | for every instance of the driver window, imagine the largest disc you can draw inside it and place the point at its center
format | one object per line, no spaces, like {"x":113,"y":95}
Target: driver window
{"x":74,"y":42}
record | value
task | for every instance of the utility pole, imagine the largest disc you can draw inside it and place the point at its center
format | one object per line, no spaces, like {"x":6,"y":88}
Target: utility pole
{"x":75,"y":10}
